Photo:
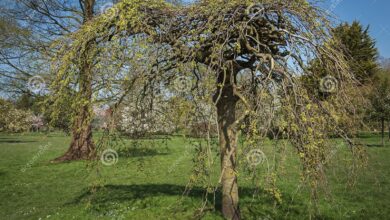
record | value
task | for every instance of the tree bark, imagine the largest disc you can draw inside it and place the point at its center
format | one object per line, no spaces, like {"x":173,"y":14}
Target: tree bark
{"x":82,"y":145}
{"x":226,"y":110}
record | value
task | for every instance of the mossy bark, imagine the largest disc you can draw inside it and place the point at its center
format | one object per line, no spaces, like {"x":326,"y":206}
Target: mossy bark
{"x":82,"y":146}
{"x":226,"y":109}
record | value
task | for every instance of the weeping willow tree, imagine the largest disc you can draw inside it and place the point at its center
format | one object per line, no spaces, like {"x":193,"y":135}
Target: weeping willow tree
{"x":247,"y":59}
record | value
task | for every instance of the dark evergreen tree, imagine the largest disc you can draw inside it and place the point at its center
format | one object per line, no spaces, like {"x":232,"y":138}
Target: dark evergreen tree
{"x":360,"y":49}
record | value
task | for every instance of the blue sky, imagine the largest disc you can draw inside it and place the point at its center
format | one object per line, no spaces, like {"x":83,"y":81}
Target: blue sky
{"x":375,"y":13}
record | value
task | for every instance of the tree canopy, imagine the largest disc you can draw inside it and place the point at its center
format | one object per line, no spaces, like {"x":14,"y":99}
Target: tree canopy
{"x":244,"y":59}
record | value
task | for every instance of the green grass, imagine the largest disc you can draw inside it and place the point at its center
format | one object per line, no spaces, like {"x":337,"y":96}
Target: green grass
{"x":148,"y":182}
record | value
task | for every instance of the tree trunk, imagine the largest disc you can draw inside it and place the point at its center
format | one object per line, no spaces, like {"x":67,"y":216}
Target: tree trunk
{"x":226,"y":110}
{"x":383,"y":132}
{"x":82,"y":146}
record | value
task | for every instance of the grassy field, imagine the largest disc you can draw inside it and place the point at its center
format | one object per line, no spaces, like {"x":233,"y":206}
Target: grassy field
{"x":148,"y":183}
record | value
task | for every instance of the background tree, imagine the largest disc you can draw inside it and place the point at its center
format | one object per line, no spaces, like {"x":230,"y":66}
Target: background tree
{"x":13,"y":51}
{"x":48,"y":21}
{"x":385,"y":67}
{"x":380,"y":100}
{"x":13,"y":119}
{"x":360,"y":48}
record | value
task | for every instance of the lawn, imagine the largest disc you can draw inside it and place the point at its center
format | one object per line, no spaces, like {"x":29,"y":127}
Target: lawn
{"x":149,"y":180}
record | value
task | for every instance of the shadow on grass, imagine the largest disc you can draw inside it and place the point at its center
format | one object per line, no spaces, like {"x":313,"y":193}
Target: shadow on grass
{"x":140,"y":152}
{"x":120,"y":193}
{"x":371,"y":135}
{"x":168,"y":137}
{"x":13,"y":141}
{"x":378,"y":145}
{"x":59,"y":135}
{"x":102,"y":198}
